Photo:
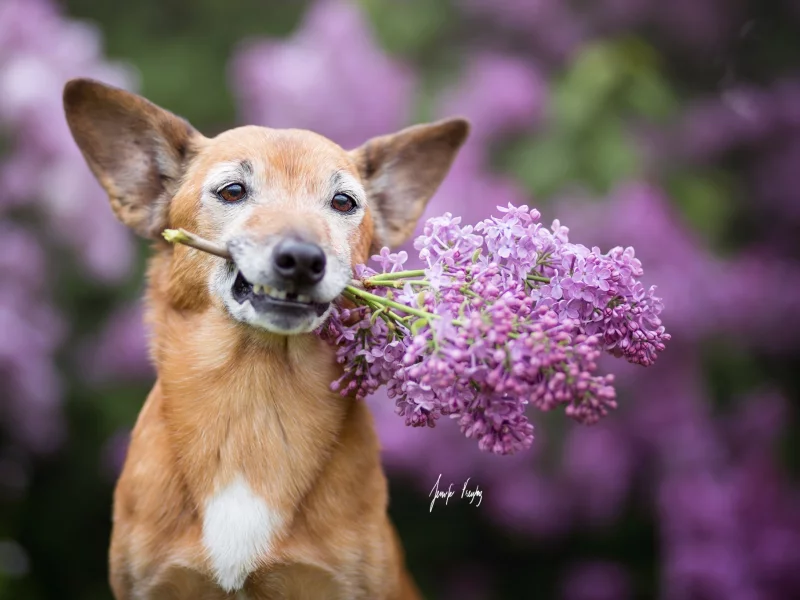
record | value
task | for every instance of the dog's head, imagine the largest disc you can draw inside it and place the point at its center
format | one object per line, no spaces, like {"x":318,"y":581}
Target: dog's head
{"x":295,"y":210}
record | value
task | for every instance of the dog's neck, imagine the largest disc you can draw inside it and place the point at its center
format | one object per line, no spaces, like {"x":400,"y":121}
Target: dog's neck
{"x":236,"y":402}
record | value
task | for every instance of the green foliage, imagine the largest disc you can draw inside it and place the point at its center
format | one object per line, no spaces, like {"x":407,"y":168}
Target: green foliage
{"x":410,"y":27}
{"x":586,"y":139}
{"x":706,"y":199}
{"x":182,"y":47}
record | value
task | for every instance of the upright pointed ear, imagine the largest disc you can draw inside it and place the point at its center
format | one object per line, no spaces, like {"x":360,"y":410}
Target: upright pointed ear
{"x":403,"y":170}
{"x":137,"y":151}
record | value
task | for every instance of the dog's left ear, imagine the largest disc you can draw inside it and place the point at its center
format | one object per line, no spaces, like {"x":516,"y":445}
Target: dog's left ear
{"x":137,"y":150}
{"x":403,"y":170}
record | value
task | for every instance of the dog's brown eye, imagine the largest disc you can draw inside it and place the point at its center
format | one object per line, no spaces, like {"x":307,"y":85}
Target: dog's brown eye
{"x":343,"y":203}
{"x":232,"y":193}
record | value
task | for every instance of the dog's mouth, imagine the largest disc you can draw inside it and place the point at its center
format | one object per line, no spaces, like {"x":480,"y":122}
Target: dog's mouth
{"x":267,"y":299}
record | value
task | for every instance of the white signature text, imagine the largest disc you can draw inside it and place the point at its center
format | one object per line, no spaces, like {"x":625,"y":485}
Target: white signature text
{"x":472,"y":495}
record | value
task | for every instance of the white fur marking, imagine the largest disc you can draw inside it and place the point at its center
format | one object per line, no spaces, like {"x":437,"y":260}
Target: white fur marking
{"x":222,"y":173}
{"x":238,"y":528}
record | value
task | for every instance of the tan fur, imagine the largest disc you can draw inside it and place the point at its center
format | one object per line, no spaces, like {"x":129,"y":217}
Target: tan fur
{"x":233,"y":399}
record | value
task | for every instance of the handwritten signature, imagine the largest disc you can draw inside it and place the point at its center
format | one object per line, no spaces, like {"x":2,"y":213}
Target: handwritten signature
{"x":471,"y":494}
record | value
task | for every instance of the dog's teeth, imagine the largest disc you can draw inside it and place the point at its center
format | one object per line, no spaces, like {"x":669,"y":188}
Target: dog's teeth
{"x":279,"y":294}
{"x":266,"y":289}
{"x":257,"y":288}
{"x":303,"y":298}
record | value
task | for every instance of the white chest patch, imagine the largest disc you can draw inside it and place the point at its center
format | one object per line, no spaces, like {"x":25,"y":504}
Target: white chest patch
{"x":238,"y":529}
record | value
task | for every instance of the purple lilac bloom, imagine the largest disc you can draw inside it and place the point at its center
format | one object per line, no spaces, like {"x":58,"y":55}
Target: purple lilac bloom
{"x":39,"y":52}
{"x":499,"y":94}
{"x":720,"y":501}
{"x":714,"y":125}
{"x":498,"y":336}
{"x":30,"y":332}
{"x":741,"y":116}
{"x":552,"y":26}
{"x":119,"y":351}
{"x":43,"y":173}
{"x":557,"y":28}
{"x":706,"y":294}
{"x":692,"y":281}
{"x":348,"y":92}
{"x":602,"y":291}
{"x":597,"y":463}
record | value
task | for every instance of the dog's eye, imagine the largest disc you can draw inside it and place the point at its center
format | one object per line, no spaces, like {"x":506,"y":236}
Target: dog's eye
{"x":343,"y":203}
{"x":232,"y":192}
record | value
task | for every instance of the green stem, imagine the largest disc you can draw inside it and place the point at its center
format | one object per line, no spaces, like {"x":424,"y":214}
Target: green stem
{"x":394,"y":284}
{"x":397,"y":275}
{"x":181,"y":236}
{"x":377,"y":309}
{"x":374,"y":298}
{"x":538,"y":278}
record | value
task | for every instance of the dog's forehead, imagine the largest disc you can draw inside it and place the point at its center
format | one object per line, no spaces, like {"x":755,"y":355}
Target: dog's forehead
{"x":290,"y":153}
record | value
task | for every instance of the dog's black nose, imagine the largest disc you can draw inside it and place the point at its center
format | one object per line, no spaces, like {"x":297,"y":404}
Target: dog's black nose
{"x":303,"y":263}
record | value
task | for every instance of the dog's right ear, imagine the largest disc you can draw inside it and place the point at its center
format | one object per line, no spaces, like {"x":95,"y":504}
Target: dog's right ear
{"x":137,"y":151}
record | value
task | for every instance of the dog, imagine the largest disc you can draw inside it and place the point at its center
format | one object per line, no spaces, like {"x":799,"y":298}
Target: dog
{"x":246,"y":476}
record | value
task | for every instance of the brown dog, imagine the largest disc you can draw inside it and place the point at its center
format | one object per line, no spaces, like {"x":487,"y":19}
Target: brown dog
{"x":246,"y":476}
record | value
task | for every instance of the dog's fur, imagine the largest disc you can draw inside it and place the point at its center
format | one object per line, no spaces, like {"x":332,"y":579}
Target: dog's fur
{"x":246,"y":477}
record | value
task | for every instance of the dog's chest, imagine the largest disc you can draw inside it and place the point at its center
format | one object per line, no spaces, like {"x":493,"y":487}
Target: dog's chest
{"x":239,"y":529}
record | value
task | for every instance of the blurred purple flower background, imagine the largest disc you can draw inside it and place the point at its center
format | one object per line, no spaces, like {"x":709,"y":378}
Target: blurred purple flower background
{"x":45,"y":180}
{"x":346,"y":91}
{"x":699,"y":172}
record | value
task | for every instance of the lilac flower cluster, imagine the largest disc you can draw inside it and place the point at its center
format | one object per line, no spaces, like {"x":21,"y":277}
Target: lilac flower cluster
{"x":601,"y":291}
{"x":506,"y":314}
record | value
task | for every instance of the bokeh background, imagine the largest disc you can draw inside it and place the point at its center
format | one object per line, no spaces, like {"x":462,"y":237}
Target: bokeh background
{"x":672,"y":126}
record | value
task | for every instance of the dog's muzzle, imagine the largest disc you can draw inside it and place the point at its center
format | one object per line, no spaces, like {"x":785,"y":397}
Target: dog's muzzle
{"x":279,"y":276}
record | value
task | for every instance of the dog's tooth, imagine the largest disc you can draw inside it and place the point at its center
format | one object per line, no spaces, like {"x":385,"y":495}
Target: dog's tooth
{"x":303,"y":298}
{"x":256,"y":288}
{"x":266,"y":289}
{"x":279,"y":294}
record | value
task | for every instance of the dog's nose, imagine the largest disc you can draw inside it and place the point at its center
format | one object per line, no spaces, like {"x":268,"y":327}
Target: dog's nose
{"x":298,"y":261}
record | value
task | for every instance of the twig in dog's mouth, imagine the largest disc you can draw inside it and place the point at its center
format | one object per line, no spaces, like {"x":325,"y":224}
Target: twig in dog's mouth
{"x":181,"y":236}
{"x":242,"y":289}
